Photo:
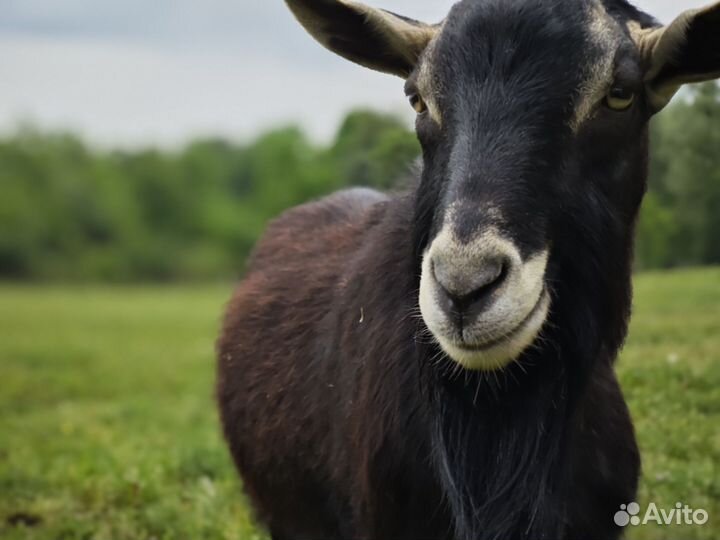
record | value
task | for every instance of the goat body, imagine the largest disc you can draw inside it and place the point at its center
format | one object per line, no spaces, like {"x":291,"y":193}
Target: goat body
{"x":346,"y":422}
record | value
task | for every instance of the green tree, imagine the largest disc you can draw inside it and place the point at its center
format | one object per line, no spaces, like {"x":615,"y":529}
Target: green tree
{"x":373,"y":149}
{"x":682,"y":211}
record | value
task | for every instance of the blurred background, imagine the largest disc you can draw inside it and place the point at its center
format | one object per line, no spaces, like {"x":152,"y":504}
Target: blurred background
{"x":143,"y":148}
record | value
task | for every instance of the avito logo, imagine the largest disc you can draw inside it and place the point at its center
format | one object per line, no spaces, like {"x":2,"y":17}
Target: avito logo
{"x":681,"y":514}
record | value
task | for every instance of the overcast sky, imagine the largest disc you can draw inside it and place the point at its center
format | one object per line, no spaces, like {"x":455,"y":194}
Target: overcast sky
{"x":133,"y":72}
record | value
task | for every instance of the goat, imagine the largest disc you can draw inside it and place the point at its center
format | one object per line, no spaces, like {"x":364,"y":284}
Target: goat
{"x":438,"y":363}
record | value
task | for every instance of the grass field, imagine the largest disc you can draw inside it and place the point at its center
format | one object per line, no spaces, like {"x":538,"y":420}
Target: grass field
{"x":108,"y":430}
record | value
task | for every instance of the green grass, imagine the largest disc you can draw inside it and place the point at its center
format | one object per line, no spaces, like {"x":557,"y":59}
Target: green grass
{"x":108,"y":429}
{"x":670,"y":370}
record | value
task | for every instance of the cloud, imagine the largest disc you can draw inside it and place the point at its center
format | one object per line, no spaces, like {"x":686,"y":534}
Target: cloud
{"x":139,"y":72}
{"x":120,"y":94}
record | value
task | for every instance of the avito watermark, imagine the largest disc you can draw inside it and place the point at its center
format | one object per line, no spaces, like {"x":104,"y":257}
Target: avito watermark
{"x":681,"y":514}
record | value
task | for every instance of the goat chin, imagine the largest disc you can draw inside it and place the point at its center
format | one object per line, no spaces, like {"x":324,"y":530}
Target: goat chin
{"x":504,"y":350}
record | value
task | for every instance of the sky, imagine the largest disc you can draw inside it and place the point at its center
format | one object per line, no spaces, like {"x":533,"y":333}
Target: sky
{"x":162,"y":72}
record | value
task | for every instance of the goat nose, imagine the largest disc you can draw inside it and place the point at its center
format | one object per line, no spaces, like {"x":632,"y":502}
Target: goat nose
{"x":466,"y":289}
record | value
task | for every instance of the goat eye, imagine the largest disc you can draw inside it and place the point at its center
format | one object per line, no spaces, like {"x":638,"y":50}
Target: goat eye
{"x":620,"y":98}
{"x":417,"y":103}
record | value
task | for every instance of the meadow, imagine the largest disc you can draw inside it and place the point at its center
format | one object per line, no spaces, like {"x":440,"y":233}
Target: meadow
{"x":108,"y":428}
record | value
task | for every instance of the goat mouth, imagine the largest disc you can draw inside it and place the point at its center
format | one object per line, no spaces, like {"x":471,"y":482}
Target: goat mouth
{"x":511,"y":335}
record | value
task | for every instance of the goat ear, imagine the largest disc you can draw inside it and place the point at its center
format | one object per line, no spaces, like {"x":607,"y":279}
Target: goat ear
{"x":370,"y":37}
{"x":686,"y":51}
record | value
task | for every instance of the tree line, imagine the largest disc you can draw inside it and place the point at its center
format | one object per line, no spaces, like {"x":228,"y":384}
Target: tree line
{"x":70,"y":212}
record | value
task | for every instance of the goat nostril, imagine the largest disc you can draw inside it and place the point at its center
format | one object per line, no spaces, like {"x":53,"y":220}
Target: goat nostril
{"x":491,"y":281}
{"x":464,"y":290}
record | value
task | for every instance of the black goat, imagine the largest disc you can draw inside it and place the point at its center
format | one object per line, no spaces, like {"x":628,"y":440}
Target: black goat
{"x":439,"y":364}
